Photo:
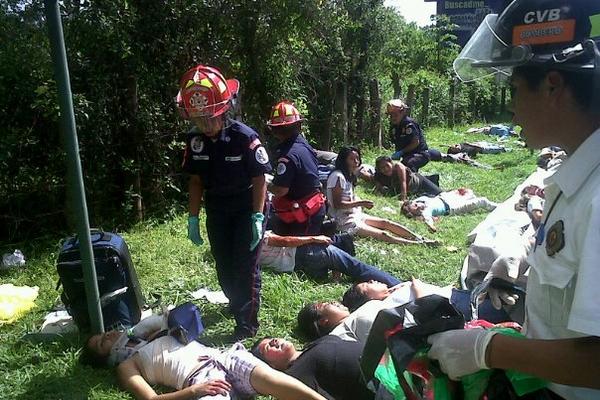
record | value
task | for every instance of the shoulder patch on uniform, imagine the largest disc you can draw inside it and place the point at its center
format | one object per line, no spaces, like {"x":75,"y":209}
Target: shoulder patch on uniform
{"x":197,"y":144}
{"x":408,"y":130}
{"x":281,"y":168}
{"x":261,"y":155}
{"x":254,"y":143}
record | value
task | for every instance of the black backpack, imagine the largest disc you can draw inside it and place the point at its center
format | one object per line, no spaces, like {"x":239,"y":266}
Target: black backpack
{"x":120,"y":295}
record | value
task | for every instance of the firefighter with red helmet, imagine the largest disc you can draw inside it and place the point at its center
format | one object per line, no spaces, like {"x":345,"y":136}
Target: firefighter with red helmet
{"x":298,"y":203}
{"x":226,"y":163}
{"x":549,"y":48}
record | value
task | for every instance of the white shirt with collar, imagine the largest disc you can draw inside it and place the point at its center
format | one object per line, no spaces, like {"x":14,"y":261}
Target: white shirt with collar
{"x":562,"y":291}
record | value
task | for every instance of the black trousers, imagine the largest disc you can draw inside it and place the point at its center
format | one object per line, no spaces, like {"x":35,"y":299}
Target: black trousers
{"x":414,"y":161}
{"x":230,"y":233}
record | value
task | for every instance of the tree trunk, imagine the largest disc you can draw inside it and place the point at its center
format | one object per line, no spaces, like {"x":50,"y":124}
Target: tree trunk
{"x":410,"y":97}
{"x":134,"y":148}
{"x":341,"y":111}
{"x":396,"y":85}
{"x":360,"y":108}
{"x":375,"y":112}
{"x":425,"y":107}
{"x":452,"y":105}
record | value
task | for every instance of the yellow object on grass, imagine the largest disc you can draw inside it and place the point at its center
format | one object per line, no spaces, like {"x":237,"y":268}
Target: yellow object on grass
{"x":15,"y":301}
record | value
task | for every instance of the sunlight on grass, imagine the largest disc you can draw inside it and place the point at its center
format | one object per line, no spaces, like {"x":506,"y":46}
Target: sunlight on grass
{"x":170,"y":266}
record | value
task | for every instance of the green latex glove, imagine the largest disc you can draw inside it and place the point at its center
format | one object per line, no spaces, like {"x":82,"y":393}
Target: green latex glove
{"x":257,"y":230}
{"x":194,"y":230}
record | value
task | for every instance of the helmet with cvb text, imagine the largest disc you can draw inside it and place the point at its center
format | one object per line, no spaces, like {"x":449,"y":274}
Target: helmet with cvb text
{"x":553,"y":34}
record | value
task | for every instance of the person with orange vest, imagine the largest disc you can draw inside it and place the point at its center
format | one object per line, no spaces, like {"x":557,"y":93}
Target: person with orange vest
{"x":226,"y":163}
{"x":299,"y":203}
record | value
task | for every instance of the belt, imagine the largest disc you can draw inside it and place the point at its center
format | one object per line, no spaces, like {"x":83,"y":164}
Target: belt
{"x":209,"y":362}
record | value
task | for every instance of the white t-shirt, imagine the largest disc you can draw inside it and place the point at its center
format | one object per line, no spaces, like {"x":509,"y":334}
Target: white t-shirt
{"x":562,"y":291}
{"x":347,"y":218}
{"x":167,"y":362}
{"x":279,"y":259}
{"x":356,"y":326}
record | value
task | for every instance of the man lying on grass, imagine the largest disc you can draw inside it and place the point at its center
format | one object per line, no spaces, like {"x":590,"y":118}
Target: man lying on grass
{"x":196,"y":371}
{"x":316,"y":256}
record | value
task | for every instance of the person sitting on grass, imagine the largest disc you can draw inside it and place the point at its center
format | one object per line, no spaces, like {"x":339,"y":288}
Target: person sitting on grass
{"x":328,"y":365}
{"x":316,"y":256}
{"x":455,"y":202}
{"x":194,"y":370}
{"x":346,"y":208}
{"x":395,"y":178}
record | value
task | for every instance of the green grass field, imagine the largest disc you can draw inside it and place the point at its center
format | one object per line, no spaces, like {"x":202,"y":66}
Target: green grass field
{"x":169,"y":265}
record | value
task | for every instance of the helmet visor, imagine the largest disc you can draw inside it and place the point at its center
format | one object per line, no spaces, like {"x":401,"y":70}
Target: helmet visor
{"x":486,"y":54}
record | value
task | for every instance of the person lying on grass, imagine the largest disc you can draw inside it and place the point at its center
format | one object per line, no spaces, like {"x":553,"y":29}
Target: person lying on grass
{"x":455,"y":202}
{"x":328,"y":365}
{"x":316,"y":256}
{"x":346,"y":208}
{"x":368,"y":298}
{"x":194,"y":370}
{"x":459,"y":158}
{"x":398,"y":295}
{"x":391,"y":177}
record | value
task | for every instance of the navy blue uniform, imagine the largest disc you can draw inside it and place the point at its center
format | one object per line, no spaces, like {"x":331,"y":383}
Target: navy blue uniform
{"x":404,"y":134}
{"x":226,"y":167}
{"x":297,"y":170}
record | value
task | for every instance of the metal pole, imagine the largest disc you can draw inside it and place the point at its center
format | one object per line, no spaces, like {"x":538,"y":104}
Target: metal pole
{"x":69,"y":133}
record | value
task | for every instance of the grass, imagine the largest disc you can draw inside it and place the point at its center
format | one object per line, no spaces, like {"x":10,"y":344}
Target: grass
{"x":170,"y":266}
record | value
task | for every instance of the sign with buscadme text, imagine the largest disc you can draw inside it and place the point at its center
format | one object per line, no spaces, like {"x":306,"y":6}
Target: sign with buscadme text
{"x":467,"y":15}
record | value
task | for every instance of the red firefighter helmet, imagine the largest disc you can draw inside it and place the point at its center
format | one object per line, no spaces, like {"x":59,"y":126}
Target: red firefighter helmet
{"x":204,"y":92}
{"x":284,"y":113}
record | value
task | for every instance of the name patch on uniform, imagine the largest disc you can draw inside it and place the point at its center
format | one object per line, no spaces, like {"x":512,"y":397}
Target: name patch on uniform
{"x":281,"y":168}
{"x":201,"y":158}
{"x":233,"y":158}
{"x":408,"y":130}
{"x":197,"y":144}
{"x":261,"y":155}
{"x":555,"y":240}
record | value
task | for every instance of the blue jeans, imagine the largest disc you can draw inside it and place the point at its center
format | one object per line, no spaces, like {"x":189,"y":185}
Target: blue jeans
{"x":317,"y":259}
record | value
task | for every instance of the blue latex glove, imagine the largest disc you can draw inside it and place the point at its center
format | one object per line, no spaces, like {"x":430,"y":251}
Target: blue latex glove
{"x":397,"y":155}
{"x":257,"y":230}
{"x":194,"y":230}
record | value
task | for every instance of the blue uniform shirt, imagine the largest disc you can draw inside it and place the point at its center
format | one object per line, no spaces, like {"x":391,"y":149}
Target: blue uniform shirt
{"x":228,"y":164}
{"x":406,"y":132}
{"x":297,"y":168}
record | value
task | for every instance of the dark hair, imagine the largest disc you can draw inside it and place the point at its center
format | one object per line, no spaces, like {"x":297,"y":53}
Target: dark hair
{"x":255,"y":350}
{"x":580,"y":83}
{"x":379,"y":177}
{"x":308,"y":322}
{"x":91,"y":358}
{"x":405,"y":211}
{"x":342,"y":165}
{"x":354,"y":298}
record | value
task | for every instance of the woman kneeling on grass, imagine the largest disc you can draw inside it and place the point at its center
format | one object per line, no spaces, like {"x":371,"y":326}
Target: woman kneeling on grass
{"x":196,"y":371}
{"x":346,"y":208}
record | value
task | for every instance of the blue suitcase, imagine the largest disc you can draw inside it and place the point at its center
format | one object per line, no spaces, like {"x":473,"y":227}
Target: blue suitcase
{"x":120,"y":294}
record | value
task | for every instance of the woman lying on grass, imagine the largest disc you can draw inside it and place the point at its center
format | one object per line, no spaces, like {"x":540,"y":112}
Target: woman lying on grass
{"x":346,"y":208}
{"x":196,"y":371}
{"x":455,"y":202}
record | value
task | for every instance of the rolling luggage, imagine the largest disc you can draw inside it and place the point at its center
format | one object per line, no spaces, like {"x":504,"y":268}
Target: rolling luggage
{"x":120,"y":294}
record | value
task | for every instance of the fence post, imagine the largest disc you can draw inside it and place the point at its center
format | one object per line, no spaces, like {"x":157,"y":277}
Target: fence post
{"x":425,"y":109}
{"x":452,"y":106}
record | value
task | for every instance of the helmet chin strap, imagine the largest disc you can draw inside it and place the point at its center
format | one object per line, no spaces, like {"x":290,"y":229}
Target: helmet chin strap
{"x":590,"y":46}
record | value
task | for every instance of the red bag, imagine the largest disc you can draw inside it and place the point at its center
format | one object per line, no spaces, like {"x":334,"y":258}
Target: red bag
{"x":298,"y":211}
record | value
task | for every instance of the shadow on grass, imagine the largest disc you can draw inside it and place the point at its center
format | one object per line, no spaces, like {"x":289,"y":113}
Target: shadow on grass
{"x":511,"y":163}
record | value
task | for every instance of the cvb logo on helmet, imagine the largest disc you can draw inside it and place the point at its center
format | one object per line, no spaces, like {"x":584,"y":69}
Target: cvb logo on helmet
{"x":538,"y":16}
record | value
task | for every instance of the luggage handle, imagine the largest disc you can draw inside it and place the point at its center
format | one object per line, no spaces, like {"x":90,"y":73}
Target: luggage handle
{"x":93,"y":231}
